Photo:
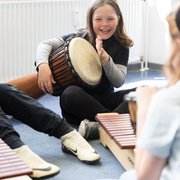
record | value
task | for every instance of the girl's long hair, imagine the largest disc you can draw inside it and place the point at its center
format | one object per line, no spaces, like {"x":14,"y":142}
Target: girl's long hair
{"x":172,"y":67}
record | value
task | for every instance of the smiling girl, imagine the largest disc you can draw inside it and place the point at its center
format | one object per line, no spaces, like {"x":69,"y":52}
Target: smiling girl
{"x":105,"y":31}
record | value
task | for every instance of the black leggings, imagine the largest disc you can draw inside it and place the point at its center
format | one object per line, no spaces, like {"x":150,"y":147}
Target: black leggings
{"x":78,"y":104}
{"x":28,"y":110}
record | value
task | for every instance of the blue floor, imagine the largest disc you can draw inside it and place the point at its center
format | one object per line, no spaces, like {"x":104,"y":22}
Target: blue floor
{"x":134,"y":76}
{"x":49,"y":148}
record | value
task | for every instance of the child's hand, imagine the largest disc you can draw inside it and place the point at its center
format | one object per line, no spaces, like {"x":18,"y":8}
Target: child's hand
{"x":45,"y":78}
{"x":103,"y":55}
{"x":143,"y":95}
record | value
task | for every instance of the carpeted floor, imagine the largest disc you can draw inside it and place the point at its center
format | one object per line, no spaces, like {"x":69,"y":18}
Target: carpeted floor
{"x":49,"y":148}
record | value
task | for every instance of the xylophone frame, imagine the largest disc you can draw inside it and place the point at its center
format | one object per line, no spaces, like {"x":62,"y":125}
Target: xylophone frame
{"x":124,"y":155}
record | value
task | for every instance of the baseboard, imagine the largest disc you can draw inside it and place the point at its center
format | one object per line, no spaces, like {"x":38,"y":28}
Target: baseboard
{"x":155,"y":66}
{"x":134,"y":66}
{"x":137,"y":66}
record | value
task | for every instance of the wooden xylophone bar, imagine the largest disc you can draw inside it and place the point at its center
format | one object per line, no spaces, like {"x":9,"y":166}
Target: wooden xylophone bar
{"x":117,"y":133}
{"x":11,"y":165}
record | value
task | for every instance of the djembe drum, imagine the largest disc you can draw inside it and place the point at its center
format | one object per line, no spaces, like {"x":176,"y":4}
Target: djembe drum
{"x":118,"y":134}
{"x":75,"y":62}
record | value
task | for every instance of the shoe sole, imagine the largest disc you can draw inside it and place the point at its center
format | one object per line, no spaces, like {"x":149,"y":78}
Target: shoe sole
{"x":66,"y":150}
{"x":45,"y":177}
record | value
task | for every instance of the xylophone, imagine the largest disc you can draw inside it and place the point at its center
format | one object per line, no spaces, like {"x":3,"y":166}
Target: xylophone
{"x":118,"y":134}
{"x":11,"y":165}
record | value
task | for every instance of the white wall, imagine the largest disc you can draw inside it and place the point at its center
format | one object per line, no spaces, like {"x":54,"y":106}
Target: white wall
{"x":158,"y":41}
{"x":25,"y":23}
{"x":154,"y":50}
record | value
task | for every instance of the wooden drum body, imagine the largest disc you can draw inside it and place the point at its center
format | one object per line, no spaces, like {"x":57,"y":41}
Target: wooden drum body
{"x":117,"y":133}
{"x":28,"y":84}
{"x":75,"y":62}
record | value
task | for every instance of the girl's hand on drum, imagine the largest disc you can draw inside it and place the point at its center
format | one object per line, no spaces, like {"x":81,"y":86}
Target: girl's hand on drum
{"x":45,"y":78}
{"x":103,"y":55}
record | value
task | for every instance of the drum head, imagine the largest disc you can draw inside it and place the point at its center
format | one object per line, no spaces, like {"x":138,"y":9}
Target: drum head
{"x":85,"y":61}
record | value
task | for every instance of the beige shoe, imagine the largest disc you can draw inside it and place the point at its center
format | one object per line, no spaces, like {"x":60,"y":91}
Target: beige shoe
{"x":74,"y":143}
{"x":41,"y":168}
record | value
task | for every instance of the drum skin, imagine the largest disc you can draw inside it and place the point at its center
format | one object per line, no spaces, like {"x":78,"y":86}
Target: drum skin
{"x":28,"y":84}
{"x":85,"y":61}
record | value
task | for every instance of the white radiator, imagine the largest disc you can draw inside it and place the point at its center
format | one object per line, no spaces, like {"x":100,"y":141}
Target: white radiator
{"x":133,"y":13}
{"x":175,"y":4}
{"x":26,"y":23}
